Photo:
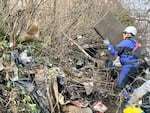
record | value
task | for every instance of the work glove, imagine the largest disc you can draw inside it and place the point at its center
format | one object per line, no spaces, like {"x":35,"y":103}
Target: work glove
{"x":106,"y":41}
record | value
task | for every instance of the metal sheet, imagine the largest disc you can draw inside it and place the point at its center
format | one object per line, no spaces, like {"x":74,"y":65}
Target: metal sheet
{"x":109,"y":26}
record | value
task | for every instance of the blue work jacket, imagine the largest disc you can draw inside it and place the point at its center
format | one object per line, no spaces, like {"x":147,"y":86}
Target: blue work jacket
{"x":124,"y":50}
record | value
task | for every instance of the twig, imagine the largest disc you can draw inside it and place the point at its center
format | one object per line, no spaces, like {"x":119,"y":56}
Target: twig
{"x":49,"y":97}
{"x":117,"y":111}
{"x":86,"y":54}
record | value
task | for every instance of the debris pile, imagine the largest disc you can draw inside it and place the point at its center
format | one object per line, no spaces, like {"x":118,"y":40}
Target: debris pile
{"x":49,"y":88}
{"x":86,"y":84}
{"x":62,"y":67}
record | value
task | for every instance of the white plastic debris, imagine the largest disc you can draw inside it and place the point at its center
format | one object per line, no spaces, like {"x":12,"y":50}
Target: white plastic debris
{"x":11,"y":44}
{"x":79,"y":37}
{"x":25,"y":58}
{"x":139,"y":93}
{"x":15,"y":70}
{"x":88,"y":87}
{"x":99,"y":107}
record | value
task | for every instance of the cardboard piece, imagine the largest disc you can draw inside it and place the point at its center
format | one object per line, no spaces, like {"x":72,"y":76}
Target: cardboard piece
{"x":109,"y":26}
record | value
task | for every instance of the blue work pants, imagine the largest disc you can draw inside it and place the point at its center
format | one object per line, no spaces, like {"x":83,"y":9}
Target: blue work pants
{"x":127,"y":74}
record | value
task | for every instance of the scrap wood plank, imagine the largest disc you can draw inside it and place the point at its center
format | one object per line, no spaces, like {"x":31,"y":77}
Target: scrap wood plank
{"x":109,"y":26}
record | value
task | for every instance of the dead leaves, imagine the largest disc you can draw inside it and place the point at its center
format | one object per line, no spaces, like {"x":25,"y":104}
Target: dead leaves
{"x":32,"y":32}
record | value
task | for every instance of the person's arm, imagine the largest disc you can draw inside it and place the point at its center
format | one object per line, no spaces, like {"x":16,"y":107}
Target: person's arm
{"x":112,"y":50}
{"x":117,"y":49}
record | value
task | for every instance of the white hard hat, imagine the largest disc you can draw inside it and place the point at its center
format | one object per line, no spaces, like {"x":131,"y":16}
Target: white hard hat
{"x":131,"y":29}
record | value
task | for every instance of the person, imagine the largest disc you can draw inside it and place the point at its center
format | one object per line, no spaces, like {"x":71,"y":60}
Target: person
{"x":129,"y":63}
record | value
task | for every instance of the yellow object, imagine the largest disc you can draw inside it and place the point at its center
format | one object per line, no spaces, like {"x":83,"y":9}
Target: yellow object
{"x":132,"y":109}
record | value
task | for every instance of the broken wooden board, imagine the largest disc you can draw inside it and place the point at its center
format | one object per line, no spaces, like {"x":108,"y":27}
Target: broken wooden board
{"x":75,"y":109}
{"x":109,"y":26}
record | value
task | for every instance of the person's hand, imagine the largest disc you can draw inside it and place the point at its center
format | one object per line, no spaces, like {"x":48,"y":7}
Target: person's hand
{"x":106,"y":41}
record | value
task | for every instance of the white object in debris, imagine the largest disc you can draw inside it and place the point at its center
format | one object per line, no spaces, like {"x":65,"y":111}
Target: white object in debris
{"x":11,"y":44}
{"x":147,"y":73}
{"x":139,"y":93}
{"x":88,"y":87}
{"x":103,"y":53}
{"x":99,"y":106}
{"x":24,"y":58}
{"x":79,"y":37}
{"x":15,"y":70}
{"x":116,"y":62}
{"x":1,"y":64}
